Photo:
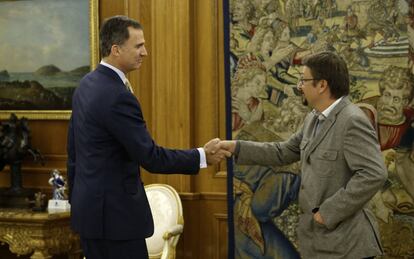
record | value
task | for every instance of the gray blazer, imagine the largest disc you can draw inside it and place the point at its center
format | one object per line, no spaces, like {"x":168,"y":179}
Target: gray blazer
{"x":342,"y":169}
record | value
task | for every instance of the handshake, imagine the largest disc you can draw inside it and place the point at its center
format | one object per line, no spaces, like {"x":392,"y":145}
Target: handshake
{"x":217,"y":150}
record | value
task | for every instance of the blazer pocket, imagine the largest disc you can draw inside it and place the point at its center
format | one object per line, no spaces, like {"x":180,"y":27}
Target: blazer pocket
{"x":325,"y":161}
{"x":329,"y":241}
{"x":330,"y":155}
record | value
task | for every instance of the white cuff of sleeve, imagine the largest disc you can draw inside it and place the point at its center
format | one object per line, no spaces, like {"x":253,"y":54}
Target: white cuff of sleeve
{"x":203,"y":161}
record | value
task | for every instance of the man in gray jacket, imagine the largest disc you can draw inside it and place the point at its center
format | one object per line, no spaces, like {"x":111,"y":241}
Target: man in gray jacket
{"x":341,"y":165}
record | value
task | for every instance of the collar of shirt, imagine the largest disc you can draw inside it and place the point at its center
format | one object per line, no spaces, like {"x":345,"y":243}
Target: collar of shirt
{"x":119,"y":72}
{"x":327,"y":111}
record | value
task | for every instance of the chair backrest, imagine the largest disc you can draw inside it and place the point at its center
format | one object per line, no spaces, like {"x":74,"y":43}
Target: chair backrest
{"x":167,"y":212}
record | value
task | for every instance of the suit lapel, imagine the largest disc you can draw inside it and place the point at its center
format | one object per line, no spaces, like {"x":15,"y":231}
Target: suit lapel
{"x":326,"y":126}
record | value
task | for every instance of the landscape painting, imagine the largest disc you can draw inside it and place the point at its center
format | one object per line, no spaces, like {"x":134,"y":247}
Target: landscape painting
{"x":46,"y":47}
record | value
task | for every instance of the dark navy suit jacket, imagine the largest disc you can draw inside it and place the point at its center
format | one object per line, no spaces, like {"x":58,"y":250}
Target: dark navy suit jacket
{"x":107,"y":143}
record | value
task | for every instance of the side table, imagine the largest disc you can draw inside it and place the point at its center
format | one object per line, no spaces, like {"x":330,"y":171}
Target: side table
{"x":40,"y":233}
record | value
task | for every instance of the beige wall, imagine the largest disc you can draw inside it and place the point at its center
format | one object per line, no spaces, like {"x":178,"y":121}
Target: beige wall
{"x":181,"y":90}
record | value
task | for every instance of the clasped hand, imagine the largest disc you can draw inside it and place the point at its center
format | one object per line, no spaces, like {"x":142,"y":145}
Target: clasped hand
{"x":217,"y":150}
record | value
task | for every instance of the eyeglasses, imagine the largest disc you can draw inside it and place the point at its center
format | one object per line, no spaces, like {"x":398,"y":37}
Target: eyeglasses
{"x":303,"y":80}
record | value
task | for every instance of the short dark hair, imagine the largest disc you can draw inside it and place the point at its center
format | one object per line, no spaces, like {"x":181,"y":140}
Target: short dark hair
{"x":332,"y":68}
{"x":114,"y":30}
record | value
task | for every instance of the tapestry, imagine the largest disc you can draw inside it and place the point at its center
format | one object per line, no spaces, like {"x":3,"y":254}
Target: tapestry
{"x":266,"y":42}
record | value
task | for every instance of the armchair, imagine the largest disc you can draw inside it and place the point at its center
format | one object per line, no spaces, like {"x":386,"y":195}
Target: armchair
{"x":167,"y":213}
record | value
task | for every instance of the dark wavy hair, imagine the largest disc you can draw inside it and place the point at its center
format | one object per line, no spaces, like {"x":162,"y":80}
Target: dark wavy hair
{"x":114,"y":31}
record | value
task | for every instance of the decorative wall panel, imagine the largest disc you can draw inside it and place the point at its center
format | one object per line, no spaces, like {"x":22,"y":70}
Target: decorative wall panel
{"x":267,"y":41}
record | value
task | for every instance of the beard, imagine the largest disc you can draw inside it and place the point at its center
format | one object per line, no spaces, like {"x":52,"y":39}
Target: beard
{"x":304,"y":101}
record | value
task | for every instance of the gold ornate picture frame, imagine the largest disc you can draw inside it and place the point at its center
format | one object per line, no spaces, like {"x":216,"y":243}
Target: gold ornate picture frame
{"x":41,"y":89}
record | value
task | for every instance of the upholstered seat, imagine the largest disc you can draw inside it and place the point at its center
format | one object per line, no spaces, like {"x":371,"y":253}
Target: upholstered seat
{"x":167,"y":212}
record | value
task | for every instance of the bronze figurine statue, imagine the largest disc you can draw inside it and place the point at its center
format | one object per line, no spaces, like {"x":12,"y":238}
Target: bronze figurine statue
{"x":14,"y":147}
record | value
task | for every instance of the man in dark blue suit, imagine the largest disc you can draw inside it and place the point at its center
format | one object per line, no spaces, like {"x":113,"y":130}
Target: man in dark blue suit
{"x":107,"y":143}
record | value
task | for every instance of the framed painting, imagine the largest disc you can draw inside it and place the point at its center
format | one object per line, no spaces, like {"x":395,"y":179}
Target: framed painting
{"x":46,"y":47}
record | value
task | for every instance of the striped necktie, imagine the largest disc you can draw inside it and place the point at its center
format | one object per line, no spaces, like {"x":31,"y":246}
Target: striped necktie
{"x":128,"y":86}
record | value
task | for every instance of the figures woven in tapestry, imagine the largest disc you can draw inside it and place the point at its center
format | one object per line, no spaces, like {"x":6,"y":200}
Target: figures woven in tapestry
{"x":267,"y":41}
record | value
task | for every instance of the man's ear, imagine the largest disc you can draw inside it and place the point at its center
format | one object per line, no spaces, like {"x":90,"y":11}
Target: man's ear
{"x":115,"y":51}
{"x":323,"y":86}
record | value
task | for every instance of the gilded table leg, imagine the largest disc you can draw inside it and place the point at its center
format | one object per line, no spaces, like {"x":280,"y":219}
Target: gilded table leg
{"x":40,"y":247}
{"x":76,"y":250}
{"x":75,"y":254}
{"x":40,"y":254}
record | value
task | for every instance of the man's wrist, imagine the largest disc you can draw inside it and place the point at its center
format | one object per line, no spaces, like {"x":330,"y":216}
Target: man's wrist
{"x":203,"y":160}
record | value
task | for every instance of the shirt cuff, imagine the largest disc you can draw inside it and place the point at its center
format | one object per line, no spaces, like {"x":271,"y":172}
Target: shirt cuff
{"x":203,"y":162}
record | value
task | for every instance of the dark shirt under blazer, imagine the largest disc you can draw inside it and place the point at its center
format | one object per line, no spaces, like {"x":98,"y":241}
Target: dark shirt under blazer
{"x":341,"y":170}
{"x":107,"y":143}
